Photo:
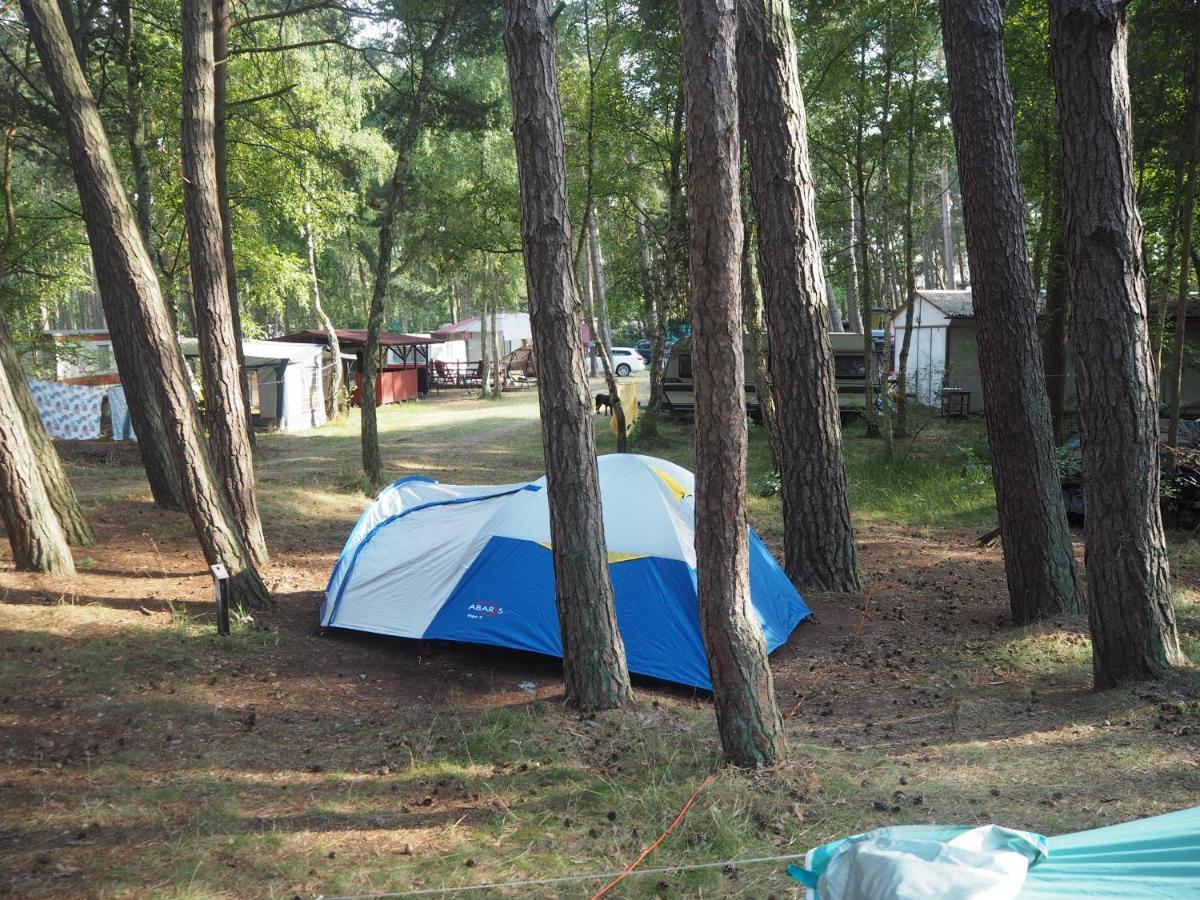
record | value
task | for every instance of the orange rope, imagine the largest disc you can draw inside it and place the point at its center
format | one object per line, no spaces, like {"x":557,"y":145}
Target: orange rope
{"x":662,"y":837}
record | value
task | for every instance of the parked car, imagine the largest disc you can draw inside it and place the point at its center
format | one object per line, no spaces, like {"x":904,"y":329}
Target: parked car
{"x":849,"y":372}
{"x":645,"y":348}
{"x":626,"y":361}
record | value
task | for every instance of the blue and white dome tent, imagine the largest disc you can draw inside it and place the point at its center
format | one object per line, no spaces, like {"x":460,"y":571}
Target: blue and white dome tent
{"x":473,"y":564}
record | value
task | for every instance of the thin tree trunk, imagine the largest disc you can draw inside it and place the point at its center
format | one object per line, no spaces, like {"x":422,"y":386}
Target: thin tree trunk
{"x":59,"y":493}
{"x":853,"y":314}
{"x":1038,"y":559}
{"x":1158,"y":333}
{"x":221,"y":14}
{"x":910,"y":270}
{"x":1187,"y":215}
{"x":336,"y":402}
{"x":133,"y":297}
{"x":225,"y":405}
{"x":752,"y":321}
{"x":947,"y":225}
{"x":654,"y":301}
{"x":485,"y":345}
{"x":34,"y":532}
{"x":397,"y":189}
{"x":1042,"y":241}
{"x":591,"y":290}
{"x":831,"y":307}
{"x":1054,"y":341}
{"x":497,"y":382}
{"x":1129,"y":586}
{"x":593,"y":653}
{"x":887,"y":282}
{"x":818,"y":538}
{"x":747,"y":718}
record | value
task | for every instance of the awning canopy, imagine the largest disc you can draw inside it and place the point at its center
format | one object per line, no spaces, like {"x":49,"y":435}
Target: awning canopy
{"x":356,"y":338}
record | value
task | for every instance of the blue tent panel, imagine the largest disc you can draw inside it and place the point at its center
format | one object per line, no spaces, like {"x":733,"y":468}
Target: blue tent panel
{"x":506,"y":599}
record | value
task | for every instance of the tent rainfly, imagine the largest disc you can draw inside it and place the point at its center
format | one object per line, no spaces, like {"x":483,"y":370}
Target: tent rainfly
{"x":473,"y":564}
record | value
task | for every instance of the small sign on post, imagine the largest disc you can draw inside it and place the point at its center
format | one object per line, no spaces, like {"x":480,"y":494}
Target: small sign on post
{"x":220,"y":586}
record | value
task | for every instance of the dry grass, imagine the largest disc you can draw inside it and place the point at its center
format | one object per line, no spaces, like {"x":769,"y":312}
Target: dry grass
{"x":141,"y":755}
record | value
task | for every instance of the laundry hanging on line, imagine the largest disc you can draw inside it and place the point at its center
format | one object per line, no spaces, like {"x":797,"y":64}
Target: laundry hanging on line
{"x":69,"y":411}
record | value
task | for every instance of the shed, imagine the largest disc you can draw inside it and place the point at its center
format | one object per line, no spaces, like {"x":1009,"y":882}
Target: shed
{"x":943,"y":350}
{"x":286,"y":381}
{"x":404,"y":361}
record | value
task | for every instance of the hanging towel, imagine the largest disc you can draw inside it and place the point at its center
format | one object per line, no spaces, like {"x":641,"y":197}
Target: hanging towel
{"x":69,"y":411}
{"x":118,"y":407}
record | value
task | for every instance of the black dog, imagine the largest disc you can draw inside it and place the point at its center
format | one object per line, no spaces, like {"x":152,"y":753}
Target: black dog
{"x":603,"y":401}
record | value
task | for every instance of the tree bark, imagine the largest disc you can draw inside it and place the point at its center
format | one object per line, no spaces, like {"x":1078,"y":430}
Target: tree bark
{"x":397,"y":189}
{"x":910,"y":270}
{"x":34,"y":532}
{"x":1129,"y":587}
{"x":132,"y":296}
{"x":818,"y":538}
{"x":748,"y":720}
{"x":593,"y":653}
{"x":853,"y":315}
{"x":59,"y":493}
{"x":143,"y":403}
{"x":1054,"y":341}
{"x":1039,"y":562}
{"x":225,"y":405}
{"x":1158,"y":333}
{"x":485,"y":344}
{"x":221,"y":14}
{"x":336,"y":402}
{"x":947,"y":226}
{"x":1187,"y":215}
{"x":595,"y":287}
{"x":752,"y":321}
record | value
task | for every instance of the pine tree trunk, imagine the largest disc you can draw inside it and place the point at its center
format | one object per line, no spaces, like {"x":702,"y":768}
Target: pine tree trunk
{"x":221,"y":14}
{"x":1158,"y":333}
{"x":143,"y":402}
{"x":397,"y":189}
{"x":1187,"y":215}
{"x":947,"y":226}
{"x":1129,"y":587}
{"x":59,"y":493}
{"x":336,"y":402}
{"x":128,"y":283}
{"x":1054,"y":341}
{"x":225,"y":408}
{"x":1038,"y":559}
{"x":818,"y":538}
{"x":593,"y":653}
{"x":592,"y":290}
{"x":853,"y":315}
{"x":748,"y":720}
{"x":485,"y":345}
{"x":910,"y":271}
{"x":34,"y":532}
{"x":752,"y":321}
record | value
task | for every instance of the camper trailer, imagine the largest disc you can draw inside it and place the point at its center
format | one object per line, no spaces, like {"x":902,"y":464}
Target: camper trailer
{"x":848,"y":363}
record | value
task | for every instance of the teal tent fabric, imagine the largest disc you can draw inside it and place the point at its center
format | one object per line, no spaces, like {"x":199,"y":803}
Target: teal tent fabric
{"x":1147,"y":859}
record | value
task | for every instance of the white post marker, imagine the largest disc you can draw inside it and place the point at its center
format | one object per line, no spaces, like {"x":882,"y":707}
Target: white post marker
{"x":220,"y":577}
